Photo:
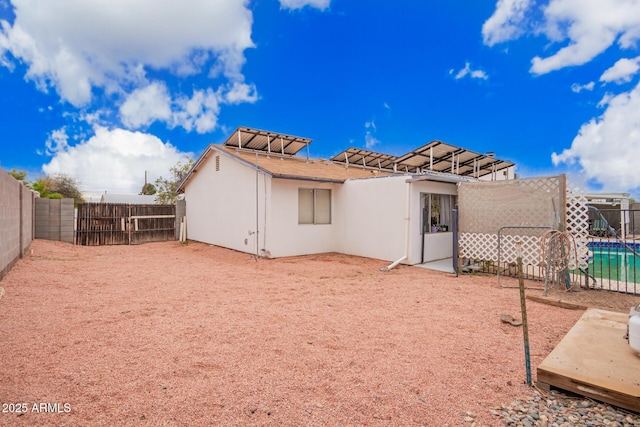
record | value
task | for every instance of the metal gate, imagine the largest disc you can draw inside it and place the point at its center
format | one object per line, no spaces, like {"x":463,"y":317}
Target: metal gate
{"x":124,"y":224}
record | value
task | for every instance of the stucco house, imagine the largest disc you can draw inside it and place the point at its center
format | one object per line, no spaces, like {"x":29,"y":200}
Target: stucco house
{"x":255,"y":194}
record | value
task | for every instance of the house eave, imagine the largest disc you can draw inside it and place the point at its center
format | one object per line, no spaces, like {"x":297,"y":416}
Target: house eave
{"x":205,"y":156}
{"x":308,"y":178}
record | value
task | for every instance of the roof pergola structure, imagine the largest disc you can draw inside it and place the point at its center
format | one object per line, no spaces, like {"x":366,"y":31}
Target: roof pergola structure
{"x":441,"y":157}
{"x":365,"y":158}
{"x":435,"y":156}
{"x":268,"y":142}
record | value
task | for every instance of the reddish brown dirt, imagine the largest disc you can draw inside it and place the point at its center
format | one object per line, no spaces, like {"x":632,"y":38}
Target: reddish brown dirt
{"x":171,"y":334}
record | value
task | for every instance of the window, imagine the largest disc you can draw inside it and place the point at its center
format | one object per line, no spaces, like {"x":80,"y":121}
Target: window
{"x":436,"y":212}
{"x":314,"y":206}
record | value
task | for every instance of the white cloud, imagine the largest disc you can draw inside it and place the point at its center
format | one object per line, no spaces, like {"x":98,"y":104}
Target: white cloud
{"x":57,"y":142}
{"x":241,"y":92}
{"x":113,"y":160}
{"x":590,"y":26}
{"x":606,"y":147}
{"x":622,"y":71}
{"x":506,"y":23}
{"x":479,"y":74}
{"x":585,"y":27}
{"x":299,"y":4}
{"x":370,"y":141}
{"x":371,"y":125}
{"x":577,"y":88}
{"x":145,"y":105}
{"x":467,"y":71}
{"x":80,"y":49}
{"x":199,"y":113}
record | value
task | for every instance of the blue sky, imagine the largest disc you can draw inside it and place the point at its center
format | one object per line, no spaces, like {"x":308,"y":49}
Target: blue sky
{"x":104,"y":90}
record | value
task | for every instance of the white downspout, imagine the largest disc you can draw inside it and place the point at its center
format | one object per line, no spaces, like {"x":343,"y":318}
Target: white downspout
{"x":407,"y":233}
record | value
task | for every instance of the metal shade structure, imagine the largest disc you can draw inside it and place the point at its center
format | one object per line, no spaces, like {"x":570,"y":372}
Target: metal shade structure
{"x":365,"y":158}
{"x":441,"y":157}
{"x":435,"y":156}
{"x":269,"y":142}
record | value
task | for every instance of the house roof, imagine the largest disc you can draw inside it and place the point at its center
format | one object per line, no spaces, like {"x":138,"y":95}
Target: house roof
{"x":132,"y":199}
{"x":435,"y":156}
{"x":274,"y":154}
{"x":285,"y":167}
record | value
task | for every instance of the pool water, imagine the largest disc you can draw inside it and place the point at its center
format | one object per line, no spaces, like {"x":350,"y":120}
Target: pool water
{"x":615,"y":264}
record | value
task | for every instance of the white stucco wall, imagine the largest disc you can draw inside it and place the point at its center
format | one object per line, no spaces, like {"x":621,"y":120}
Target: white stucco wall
{"x":368,"y":218}
{"x":288,"y":238}
{"x":371,"y":218}
{"x":221,"y":205}
{"x":508,"y":173}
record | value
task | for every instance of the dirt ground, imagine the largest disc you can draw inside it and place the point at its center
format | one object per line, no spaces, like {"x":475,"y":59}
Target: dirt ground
{"x":596,"y":298}
{"x":170,"y":334}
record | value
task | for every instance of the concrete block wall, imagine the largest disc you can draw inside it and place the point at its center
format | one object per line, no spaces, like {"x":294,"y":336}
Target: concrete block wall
{"x":54,"y":219}
{"x":27,"y":210}
{"x":42,"y":219}
{"x":67,"y":210}
{"x":16,"y":221}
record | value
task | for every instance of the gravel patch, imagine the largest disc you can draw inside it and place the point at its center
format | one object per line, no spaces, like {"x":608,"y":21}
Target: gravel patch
{"x":559,"y":410}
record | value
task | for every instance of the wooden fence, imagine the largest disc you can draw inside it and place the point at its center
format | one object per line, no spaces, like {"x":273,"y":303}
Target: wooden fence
{"x":124,"y":224}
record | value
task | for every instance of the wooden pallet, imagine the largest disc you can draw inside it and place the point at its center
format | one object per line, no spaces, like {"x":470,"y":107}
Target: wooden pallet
{"x":594,"y":360}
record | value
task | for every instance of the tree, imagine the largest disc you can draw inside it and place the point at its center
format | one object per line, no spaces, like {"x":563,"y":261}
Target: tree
{"x":45,"y":186}
{"x":166,"y":189}
{"x":20,"y":175}
{"x":58,"y":187}
{"x":148,"y":189}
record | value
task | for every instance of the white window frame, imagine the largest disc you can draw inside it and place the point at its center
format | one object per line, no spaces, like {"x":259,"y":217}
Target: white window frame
{"x":316,"y":214}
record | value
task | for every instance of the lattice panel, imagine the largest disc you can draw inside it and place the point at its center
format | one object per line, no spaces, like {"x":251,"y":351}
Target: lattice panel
{"x":578,"y":224}
{"x":485,"y":247}
{"x":478,"y":246}
{"x":487,"y":206}
{"x":530,"y":249}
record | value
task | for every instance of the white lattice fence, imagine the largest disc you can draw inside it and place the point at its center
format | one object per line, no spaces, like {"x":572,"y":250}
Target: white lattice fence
{"x":537,"y":202}
{"x":479,"y":246}
{"x":485,"y":247}
{"x":578,"y":225}
{"x":487,"y":207}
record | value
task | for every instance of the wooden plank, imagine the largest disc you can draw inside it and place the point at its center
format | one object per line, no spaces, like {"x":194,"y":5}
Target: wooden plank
{"x":594,"y":360}
{"x":152,"y":216}
{"x":111,"y":223}
{"x":557,"y":303}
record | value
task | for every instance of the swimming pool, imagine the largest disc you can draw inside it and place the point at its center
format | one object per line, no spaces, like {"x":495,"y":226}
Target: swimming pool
{"x":612,"y":261}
